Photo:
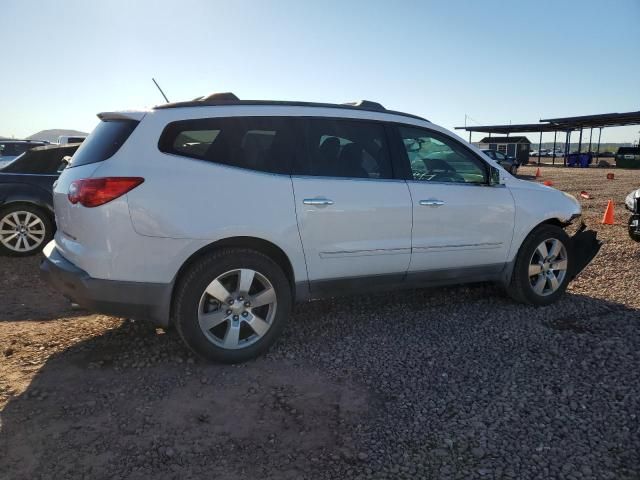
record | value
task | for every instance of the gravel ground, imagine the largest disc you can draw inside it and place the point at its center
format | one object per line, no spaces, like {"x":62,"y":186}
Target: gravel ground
{"x":445,"y":383}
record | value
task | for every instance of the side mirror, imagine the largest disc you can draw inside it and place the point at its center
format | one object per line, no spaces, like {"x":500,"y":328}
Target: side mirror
{"x":495,"y":176}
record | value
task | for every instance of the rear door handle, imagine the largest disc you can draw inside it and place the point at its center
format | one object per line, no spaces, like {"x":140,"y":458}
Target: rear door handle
{"x":318,"y":202}
{"x":432,"y":202}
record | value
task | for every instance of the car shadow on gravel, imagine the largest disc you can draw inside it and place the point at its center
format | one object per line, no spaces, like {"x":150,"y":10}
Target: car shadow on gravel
{"x":134,"y":402}
{"x":25,"y":296}
{"x":440,"y":383}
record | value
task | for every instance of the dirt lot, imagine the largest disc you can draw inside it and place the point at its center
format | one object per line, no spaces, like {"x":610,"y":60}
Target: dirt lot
{"x":445,"y":383}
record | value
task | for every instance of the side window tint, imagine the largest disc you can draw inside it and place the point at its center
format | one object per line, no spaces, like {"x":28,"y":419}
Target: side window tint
{"x":346,"y":148}
{"x":257,"y":143}
{"x":436,"y":158}
{"x":194,"y":143}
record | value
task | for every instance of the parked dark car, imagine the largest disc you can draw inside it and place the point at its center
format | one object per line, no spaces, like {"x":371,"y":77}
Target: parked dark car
{"x":11,"y":149}
{"x":507,"y":162}
{"x":628,"y":157}
{"x":26,"y":204}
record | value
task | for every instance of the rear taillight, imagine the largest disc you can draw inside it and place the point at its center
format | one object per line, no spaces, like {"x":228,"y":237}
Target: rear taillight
{"x":92,"y":192}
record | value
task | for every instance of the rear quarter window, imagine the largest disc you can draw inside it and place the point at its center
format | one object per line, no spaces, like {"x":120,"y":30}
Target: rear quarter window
{"x":104,"y":141}
{"x":264,"y":144}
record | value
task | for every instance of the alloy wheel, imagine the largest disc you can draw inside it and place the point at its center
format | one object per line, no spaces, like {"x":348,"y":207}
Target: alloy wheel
{"x":548,"y":267}
{"x":237,"y":308}
{"x":22,"y":231}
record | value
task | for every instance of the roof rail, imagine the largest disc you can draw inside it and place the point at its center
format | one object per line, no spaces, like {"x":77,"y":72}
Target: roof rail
{"x":228,"y":98}
{"x":366,"y":105}
{"x":218,"y":97}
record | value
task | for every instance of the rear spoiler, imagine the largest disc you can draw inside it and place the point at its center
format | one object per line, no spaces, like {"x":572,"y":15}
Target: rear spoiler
{"x":125,"y":115}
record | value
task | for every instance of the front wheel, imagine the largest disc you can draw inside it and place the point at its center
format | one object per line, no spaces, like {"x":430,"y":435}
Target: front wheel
{"x":24,"y":230}
{"x":541,"y":272}
{"x":232,"y":305}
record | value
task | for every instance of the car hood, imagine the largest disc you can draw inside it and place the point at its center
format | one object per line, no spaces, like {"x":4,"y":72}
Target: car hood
{"x":548,"y":196}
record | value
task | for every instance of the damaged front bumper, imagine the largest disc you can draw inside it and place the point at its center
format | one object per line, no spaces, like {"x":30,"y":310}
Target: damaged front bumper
{"x":585,"y":246}
{"x":634,"y":227}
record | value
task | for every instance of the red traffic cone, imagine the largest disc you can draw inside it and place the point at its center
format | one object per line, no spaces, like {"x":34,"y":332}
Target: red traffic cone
{"x":538,"y":174}
{"x":607,"y":219}
{"x":548,"y":183}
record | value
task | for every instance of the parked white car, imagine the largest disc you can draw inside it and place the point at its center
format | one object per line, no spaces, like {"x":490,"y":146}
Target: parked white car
{"x":66,"y":139}
{"x":632,"y":202}
{"x":215,"y":215}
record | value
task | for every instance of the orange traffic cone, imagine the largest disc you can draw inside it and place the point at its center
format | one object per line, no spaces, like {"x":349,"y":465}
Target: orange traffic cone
{"x":548,"y":183}
{"x":608,"y":214}
{"x":538,"y":174}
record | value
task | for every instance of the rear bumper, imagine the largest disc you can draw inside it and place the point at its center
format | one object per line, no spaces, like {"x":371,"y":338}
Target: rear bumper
{"x":148,"y":301}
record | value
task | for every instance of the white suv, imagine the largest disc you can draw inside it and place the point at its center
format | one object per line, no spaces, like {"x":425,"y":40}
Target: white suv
{"x":214,"y":215}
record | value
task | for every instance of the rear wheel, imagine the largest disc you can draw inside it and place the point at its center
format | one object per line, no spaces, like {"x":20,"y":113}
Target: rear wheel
{"x":232,"y":305}
{"x":24,"y":230}
{"x":541,"y":272}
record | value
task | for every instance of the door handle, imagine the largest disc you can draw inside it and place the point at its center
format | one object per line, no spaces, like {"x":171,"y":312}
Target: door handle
{"x":432,"y":202}
{"x":318,"y":202}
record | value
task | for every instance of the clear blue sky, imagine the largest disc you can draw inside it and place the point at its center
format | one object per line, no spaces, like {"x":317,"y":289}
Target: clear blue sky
{"x":497,"y":61}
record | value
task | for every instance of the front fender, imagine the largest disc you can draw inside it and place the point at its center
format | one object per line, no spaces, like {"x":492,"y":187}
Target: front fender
{"x":535,"y":205}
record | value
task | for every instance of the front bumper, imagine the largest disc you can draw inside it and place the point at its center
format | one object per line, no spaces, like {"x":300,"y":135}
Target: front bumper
{"x":144,"y":301}
{"x":585,"y":246}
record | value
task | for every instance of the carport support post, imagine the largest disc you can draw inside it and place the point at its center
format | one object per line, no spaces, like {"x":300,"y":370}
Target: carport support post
{"x":566,"y":147}
{"x":539,"y":147}
{"x":580,"y":142}
{"x":554,"y":147}
{"x":599,"y":137}
{"x":590,"y":136}
{"x":469,"y":136}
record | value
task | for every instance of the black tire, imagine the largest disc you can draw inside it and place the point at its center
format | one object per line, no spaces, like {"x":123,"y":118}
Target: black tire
{"x":9,"y":249}
{"x":194,"y":282}
{"x":520,"y":288}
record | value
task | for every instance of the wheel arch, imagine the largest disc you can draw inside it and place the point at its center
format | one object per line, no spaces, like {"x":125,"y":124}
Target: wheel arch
{"x":11,"y":202}
{"x":508,"y":271}
{"x":263,"y":246}
{"x":28,"y":194}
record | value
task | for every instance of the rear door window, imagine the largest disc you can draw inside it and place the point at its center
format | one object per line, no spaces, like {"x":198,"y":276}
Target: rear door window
{"x":345,"y":149}
{"x":258,"y":143}
{"x":104,"y":141}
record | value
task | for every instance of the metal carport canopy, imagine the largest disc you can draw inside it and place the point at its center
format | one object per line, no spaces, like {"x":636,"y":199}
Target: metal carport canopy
{"x":517,"y":128}
{"x":595,"y":121}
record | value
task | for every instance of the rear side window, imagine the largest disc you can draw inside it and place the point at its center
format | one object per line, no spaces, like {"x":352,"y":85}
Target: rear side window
{"x":345,"y":148}
{"x":14,"y":149}
{"x":104,"y":141}
{"x":258,"y":143}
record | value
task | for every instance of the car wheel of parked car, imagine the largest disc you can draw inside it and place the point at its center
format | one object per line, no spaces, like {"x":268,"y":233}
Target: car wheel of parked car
{"x":541,"y":271}
{"x":232,"y":305}
{"x":24,"y":230}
